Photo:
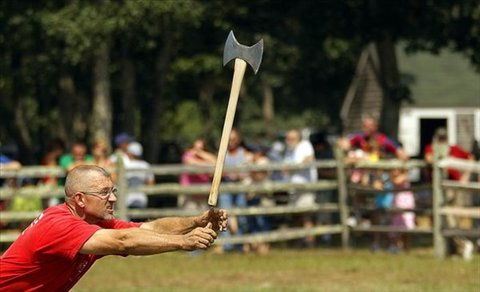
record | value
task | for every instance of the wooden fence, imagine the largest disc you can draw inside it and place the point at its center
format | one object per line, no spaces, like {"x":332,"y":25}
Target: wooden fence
{"x":442,"y":207}
{"x":340,"y":185}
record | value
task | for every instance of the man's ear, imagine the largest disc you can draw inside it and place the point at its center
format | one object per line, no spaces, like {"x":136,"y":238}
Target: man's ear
{"x":79,"y":199}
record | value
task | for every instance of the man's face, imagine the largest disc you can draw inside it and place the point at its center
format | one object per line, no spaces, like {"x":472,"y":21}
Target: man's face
{"x":198,"y":144}
{"x":78,"y":152}
{"x":100,"y":149}
{"x":292,"y":139}
{"x":123,"y":146}
{"x":99,"y":199}
{"x":442,"y":139}
{"x":369,"y":127}
{"x":234,"y":140}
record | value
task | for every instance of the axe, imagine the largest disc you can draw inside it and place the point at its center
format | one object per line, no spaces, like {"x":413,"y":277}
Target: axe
{"x":242,"y":55}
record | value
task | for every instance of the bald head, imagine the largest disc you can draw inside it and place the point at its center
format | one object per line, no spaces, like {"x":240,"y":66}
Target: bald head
{"x":84,"y":178}
{"x":293,"y":138}
{"x":369,"y":126}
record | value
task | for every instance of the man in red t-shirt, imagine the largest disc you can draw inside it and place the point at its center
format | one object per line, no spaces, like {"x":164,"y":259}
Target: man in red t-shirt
{"x":369,"y":134}
{"x":454,"y":197}
{"x":63,"y":242}
{"x":371,"y":145}
{"x":453,"y":151}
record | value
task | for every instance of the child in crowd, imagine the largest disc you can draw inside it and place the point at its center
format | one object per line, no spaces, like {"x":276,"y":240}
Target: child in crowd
{"x":257,"y":223}
{"x":401,"y":219}
{"x":356,"y":176}
{"x":100,"y":153}
{"x":371,"y":153}
{"x":383,"y":201}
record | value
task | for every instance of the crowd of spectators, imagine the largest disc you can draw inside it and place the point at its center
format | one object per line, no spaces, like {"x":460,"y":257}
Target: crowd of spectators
{"x":57,"y":155}
{"x":397,"y":208}
{"x":388,"y":207}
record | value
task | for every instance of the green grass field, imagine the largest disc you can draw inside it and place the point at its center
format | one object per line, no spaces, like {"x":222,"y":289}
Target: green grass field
{"x":284,"y":270}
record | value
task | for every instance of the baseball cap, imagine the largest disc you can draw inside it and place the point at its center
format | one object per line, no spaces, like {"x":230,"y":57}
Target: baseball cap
{"x":123,"y":138}
{"x":135,"y":148}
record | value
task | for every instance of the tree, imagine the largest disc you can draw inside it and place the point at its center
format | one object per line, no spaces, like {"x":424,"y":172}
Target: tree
{"x":85,"y":29}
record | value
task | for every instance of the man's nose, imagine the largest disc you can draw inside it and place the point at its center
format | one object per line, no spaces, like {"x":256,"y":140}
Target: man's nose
{"x":112,"y":197}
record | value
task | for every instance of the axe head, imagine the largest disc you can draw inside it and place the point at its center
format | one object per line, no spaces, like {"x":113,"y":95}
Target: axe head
{"x":233,"y":50}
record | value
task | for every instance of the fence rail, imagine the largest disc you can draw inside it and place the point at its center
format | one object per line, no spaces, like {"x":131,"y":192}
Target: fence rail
{"x":251,"y":211}
{"x":174,"y":189}
{"x":172,"y":169}
{"x":441,"y":209}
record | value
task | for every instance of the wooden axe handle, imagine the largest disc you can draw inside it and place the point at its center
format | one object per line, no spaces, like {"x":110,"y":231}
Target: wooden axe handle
{"x":239,"y":71}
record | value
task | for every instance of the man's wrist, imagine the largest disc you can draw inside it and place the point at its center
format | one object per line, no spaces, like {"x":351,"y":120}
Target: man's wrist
{"x":181,"y":243}
{"x":197,"y":221}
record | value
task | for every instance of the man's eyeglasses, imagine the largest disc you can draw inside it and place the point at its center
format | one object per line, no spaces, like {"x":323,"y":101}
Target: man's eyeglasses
{"x":103,"y":194}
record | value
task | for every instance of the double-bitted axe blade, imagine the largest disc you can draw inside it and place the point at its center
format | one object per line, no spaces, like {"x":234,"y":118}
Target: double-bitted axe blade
{"x":242,"y":55}
{"x":234,"y":50}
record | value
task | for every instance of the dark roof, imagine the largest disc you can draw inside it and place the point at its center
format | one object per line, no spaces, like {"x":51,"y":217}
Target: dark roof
{"x":444,"y":80}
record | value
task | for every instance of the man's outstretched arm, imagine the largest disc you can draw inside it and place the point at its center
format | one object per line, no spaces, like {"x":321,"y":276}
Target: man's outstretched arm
{"x":179,"y":225}
{"x":140,"y":241}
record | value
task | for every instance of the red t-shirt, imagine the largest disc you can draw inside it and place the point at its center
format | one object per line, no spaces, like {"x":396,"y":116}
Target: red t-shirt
{"x":45,"y":256}
{"x":454,"y":152}
{"x":361,"y":141}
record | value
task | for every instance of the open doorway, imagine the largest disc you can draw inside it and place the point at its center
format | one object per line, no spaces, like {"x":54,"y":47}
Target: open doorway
{"x":427,"y":130}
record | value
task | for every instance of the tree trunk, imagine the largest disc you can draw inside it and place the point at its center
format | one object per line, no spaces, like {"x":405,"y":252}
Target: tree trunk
{"x":25,"y":140}
{"x":393,"y":91}
{"x":162,"y":61}
{"x":66,"y":104}
{"x":206,"y":105}
{"x":73,"y":109}
{"x":128,"y":122}
{"x":101,"y":123}
{"x":268,"y":109}
{"x":19,"y":127}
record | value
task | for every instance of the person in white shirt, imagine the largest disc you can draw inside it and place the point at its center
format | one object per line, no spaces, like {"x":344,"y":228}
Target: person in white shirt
{"x":138,"y":173}
{"x":301,"y":151}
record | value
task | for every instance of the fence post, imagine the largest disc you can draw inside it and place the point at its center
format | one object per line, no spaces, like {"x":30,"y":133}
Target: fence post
{"x":122,"y":187}
{"x":342,"y":196}
{"x":439,"y":242}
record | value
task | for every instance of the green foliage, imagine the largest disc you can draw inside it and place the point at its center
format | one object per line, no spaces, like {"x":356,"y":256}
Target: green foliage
{"x":81,"y":26}
{"x":198,"y":64}
{"x":182,"y":124}
{"x":336,"y":48}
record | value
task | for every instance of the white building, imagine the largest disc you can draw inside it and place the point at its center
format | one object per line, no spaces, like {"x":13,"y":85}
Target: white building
{"x":417,"y":126}
{"x":446,"y":93}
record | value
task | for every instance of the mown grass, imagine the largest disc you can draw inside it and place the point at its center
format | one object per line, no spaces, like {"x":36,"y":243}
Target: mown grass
{"x":284,"y":270}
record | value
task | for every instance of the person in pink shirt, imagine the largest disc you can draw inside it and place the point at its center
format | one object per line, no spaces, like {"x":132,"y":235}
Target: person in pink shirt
{"x":64,"y":241}
{"x":404,"y":216}
{"x":197,"y":155}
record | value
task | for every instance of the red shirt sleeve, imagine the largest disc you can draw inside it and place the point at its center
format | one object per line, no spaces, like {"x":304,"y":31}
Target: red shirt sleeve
{"x":386,"y":143}
{"x":65,"y":237}
{"x":356,"y":140}
{"x":118,"y":224}
{"x":428,"y":149}
{"x":458,"y":152}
